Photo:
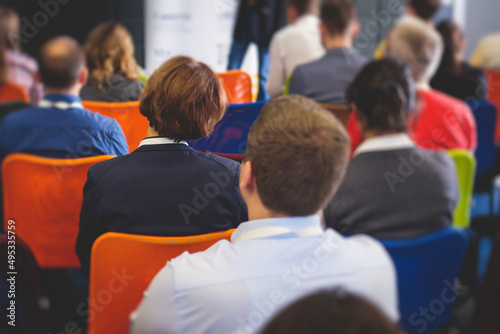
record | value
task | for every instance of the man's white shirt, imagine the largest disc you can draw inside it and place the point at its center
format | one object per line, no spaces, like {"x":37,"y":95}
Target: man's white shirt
{"x":293,"y":45}
{"x":237,"y":286}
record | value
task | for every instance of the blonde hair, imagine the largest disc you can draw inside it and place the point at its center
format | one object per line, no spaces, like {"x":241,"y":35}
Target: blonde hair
{"x":110,"y":50}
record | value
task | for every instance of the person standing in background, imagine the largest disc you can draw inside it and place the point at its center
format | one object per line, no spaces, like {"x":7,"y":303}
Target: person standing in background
{"x":21,"y":68}
{"x":296,"y":44}
{"x":257,"y":21}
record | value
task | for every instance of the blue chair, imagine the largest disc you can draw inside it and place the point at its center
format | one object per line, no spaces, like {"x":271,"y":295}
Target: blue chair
{"x":231,"y":133}
{"x":485,"y":114}
{"x":427,"y":268}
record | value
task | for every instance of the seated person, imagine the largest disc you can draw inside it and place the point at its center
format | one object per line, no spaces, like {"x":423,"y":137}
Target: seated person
{"x":22,"y":69}
{"x":113,"y":71}
{"x":424,"y":10}
{"x":331,"y":312}
{"x":392,"y":189}
{"x":325,"y":80}
{"x":60,"y":127}
{"x":165,"y":188}
{"x":283,"y":253}
{"x":455,"y":77}
{"x":443,"y":122}
{"x":297,"y":43}
{"x":487,"y":54}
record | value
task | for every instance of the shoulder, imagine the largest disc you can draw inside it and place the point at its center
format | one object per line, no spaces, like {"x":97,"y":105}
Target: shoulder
{"x":21,"y":59}
{"x":101,"y":122}
{"x":102,"y":168}
{"x":218,"y":162}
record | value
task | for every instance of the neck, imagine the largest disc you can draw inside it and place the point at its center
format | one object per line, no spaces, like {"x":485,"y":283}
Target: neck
{"x":333,"y":42}
{"x":377,"y":133}
{"x":75,"y":90}
{"x":152,"y":132}
{"x":257,"y":210}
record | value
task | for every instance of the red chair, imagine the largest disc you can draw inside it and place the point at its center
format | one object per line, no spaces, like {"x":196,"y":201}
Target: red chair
{"x":238,"y":86}
{"x":133,"y":123}
{"x":43,"y":197}
{"x":493,"y":78}
{"x":10,"y":92}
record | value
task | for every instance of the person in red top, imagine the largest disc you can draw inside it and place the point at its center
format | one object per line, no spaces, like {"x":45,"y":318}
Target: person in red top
{"x":440,"y":121}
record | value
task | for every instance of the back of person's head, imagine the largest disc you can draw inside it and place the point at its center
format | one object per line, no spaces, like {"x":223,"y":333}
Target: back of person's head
{"x":298,"y":153}
{"x":424,"y":9}
{"x":61,"y":62}
{"x":418,"y":45}
{"x":383,"y":92}
{"x":183,"y":99}
{"x":9,"y":19}
{"x":337,"y":16}
{"x":110,"y":50}
{"x":454,"y":43}
{"x":304,"y":6}
{"x":331,"y":312}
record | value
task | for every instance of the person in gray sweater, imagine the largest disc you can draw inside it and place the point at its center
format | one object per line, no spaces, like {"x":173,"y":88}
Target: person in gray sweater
{"x":392,"y":189}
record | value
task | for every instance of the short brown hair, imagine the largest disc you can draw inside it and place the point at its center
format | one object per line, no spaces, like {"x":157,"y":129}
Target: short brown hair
{"x":336,"y":15}
{"x":426,"y":9}
{"x":61,"y":61}
{"x":299,"y":152}
{"x":303,"y":6}
{"x":9,"y":19}
{"x":110,"y":50}
{"x":183,"y":99}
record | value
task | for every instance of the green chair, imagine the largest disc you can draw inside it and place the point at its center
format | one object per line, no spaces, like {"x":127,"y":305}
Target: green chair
{"x":466,"y":169}
{"x":286,"y":91}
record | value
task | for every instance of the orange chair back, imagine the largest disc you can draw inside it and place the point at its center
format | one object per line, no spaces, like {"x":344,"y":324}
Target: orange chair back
{"x":493,"y":78}
{"x":10,"y":92}
{"x":121,"y":268}
{"x":238,"y":86}
{"x":43,"y":197}
{"x":134,"y":125}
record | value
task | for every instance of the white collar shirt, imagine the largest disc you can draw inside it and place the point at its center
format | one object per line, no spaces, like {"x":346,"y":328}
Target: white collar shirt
{"x":237,"y":286}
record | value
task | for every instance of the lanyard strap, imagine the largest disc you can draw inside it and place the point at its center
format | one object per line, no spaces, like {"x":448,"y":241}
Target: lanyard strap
{"x":60,"y":105}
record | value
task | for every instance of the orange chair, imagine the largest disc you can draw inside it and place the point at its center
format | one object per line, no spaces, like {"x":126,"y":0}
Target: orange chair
{"x":134,"y":125}
{"x":238,"y":86}
{"x":10,"y":92}
{"x":493,"y":78}
{"x":121,"y":268}
{"x":44,"y":196}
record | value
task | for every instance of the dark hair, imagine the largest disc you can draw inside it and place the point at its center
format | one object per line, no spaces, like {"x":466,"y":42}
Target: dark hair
{"x":183,"y":99}
{"x":329,"y":312}
{"x":336,"y":15}
{"x":452,"y":37}
{"x":61,"y":61}
{"x":299,"y":152}
{"x":383,"y":91}
{"x":4,"y":69}
{"x":426,"y":9}
{"x":302,"y":6}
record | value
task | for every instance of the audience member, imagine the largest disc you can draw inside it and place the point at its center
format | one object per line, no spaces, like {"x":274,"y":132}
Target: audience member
{"x":326,"y":79}
{"x":487,"y":54}
{"x":60,"y":127}
{"x":331,"y":312}
{"x":165,"y":187}
{"x":113,"y":71}
{"x":296,"y":44}
{"x":455,"y":77}
{"x":295,"y":159}
{"x":21,"y":68}
{"x":256,"y":22}
{"x":422,"y":9}
{"x":392,"y":189}
{"x":443,"y":121}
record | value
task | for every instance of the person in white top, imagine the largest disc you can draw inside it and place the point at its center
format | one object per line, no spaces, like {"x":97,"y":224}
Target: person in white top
{"x":487,"y":54}
{"x":296,"y":44}
{"x":294,"y":162}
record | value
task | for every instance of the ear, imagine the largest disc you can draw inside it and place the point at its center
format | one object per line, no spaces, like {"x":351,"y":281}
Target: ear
{"x":355,"y":28}
{"x":361,"y":119}
{"x":84,"y":74}
{"x":247,"y":178}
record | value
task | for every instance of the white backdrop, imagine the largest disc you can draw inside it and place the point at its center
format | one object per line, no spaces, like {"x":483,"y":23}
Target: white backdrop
{"x":201,"y":29}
